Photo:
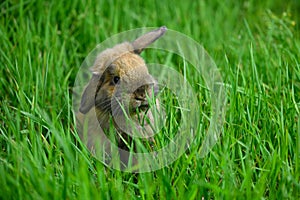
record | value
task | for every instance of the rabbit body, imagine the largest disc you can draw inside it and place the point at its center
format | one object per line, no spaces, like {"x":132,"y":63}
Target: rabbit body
{"x":119,"y":89}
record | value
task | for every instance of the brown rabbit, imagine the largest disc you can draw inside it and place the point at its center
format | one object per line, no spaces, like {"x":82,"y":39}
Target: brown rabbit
{"x":119,"y":89}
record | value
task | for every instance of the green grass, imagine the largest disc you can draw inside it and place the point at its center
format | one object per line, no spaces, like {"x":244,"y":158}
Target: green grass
{"x":255,"y":45}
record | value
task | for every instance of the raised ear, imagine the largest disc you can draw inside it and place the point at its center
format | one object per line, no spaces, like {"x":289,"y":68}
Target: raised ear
{"x":142,"y":42}
{"x":88,"y":96}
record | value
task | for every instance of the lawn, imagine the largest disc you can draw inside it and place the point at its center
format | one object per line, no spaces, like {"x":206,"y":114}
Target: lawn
{"x":254,"y":44}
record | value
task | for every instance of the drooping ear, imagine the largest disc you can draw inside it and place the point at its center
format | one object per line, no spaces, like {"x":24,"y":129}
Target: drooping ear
{"x":142,"y":42}
{"x":88,"y":96}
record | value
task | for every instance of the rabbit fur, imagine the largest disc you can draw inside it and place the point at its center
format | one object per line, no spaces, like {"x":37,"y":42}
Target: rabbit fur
{"x":120,"y":76}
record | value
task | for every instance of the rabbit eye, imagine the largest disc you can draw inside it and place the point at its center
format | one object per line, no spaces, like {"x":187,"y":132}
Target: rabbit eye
{"x":116,"y":79}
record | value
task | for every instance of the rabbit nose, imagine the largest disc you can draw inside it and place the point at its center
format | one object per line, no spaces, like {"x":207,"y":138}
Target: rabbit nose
{"x":141,"y":98}
{"x":140,"y":93}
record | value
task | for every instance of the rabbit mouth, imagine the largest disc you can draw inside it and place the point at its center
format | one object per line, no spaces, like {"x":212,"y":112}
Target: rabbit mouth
{"x":143,"y":107}
{"x":140,"y":105}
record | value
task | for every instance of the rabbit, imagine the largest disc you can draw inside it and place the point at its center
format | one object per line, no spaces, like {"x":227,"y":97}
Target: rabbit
{"x":119,"y":87}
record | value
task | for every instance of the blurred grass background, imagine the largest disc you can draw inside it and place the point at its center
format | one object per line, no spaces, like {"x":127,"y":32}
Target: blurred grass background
{"x":256,"y":46}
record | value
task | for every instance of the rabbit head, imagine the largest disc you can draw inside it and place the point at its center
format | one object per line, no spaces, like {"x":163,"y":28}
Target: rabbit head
{"x":121,"y":82}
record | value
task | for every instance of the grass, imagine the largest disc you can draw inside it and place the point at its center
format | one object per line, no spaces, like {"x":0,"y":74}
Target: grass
{"x":255,"y":45}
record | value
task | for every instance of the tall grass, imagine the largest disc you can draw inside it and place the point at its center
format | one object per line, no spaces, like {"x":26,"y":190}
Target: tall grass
{"x":255,"y":45}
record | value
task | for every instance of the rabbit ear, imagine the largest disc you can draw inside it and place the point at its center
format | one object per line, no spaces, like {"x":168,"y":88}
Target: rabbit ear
{"x":142,"y":42}
{"x":88,"y":96}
